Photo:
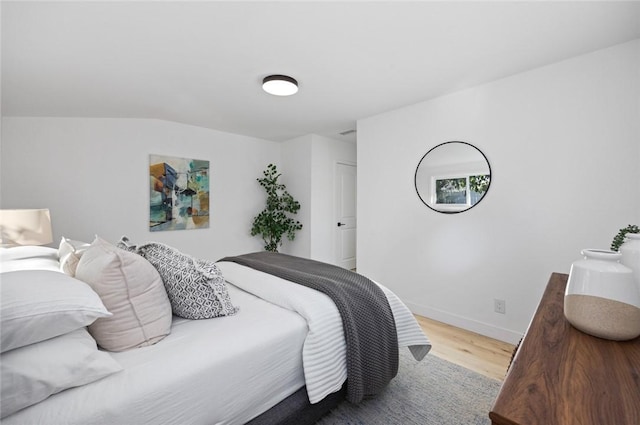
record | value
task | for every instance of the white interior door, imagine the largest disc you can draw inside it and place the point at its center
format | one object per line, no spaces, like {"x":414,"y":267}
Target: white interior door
{"x":345,"y":222}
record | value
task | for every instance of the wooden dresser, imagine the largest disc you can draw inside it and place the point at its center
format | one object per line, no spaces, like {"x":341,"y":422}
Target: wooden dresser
{"x":561,"y":376}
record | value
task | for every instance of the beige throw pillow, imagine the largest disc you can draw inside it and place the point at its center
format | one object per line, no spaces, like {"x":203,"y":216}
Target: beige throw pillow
{"x":132,"y":290}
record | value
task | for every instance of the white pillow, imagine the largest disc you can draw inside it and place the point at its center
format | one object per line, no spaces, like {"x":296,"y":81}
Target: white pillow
{"x":39,"y":304}
{"x":30,"y":374}
{"x":28,"y":257}
{"x":132,"y":290}
{"x":69,"y":253}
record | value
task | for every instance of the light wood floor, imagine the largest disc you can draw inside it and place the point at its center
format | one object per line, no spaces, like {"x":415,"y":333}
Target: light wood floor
{"x":484,"y":355}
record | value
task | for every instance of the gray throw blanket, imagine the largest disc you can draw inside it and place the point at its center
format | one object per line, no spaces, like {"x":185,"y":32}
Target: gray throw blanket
{"x":367,"y":319}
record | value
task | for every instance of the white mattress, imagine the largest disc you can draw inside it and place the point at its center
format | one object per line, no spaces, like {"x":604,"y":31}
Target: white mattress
{"x":219,"y":371}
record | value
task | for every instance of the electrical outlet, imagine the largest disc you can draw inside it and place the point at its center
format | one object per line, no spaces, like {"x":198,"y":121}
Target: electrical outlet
{"x":500,"y":306}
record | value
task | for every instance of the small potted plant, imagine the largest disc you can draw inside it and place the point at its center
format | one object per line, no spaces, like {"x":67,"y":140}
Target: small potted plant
{"x":602,"y":297}
{"x":618,"y":240}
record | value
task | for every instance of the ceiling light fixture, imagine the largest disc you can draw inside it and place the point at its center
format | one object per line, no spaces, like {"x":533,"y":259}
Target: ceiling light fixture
{"x":280,"y":85}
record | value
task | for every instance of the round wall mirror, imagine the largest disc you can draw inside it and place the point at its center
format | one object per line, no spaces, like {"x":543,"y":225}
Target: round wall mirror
{"x":453,"y":177}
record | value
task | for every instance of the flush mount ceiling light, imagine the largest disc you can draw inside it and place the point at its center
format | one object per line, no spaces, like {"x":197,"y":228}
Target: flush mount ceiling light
{"x":280,"y":85}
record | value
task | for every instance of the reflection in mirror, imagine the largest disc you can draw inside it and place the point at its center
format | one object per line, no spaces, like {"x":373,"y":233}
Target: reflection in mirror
{"x":452,"y":177}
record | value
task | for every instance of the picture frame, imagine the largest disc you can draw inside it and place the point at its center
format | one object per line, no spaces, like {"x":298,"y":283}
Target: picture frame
{"x":179,"y":193}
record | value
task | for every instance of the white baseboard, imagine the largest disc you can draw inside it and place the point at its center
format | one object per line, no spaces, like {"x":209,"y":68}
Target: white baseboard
{"x":481,"y":328}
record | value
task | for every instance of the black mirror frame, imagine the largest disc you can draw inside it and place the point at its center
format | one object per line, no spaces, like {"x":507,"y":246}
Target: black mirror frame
{"x":415,"y":177}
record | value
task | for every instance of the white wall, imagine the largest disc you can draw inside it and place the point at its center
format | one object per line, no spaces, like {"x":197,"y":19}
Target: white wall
{"x":563,"y":142}
{"x":296,"y":166}
{"x":308,"y":165}
{"x":326,"y":153}
{"x":93,"y":175}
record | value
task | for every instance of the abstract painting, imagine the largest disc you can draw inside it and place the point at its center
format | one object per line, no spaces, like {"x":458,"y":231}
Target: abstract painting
{"x":179,"y":193}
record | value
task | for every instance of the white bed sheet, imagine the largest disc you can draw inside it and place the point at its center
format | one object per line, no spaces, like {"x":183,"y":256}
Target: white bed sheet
{"x":324,"y":351}
{"x":220,"y":371}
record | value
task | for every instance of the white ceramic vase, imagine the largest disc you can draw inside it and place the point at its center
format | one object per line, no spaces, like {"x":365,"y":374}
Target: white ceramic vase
{"x":602,"y":298}
{"x":630,"y":251}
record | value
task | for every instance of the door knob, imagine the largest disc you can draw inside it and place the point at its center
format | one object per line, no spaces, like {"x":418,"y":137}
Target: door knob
{"x":341,"y":224}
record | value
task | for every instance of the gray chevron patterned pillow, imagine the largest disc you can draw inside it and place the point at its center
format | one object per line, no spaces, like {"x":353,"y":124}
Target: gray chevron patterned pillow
{"x":196,"y":288}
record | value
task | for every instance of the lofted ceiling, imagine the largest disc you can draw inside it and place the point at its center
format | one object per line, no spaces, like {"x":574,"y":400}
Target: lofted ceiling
{"x":201,"y":63}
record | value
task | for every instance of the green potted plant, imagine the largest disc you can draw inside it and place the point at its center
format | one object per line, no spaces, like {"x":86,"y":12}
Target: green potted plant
{"x":618,"y":240}
{"x":274,"y":221}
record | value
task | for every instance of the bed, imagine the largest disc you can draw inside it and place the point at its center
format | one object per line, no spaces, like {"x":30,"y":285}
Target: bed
{"x":280,"y":357}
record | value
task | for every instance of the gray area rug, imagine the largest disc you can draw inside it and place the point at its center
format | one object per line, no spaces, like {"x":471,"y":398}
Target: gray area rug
{"x":430,"y":392}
